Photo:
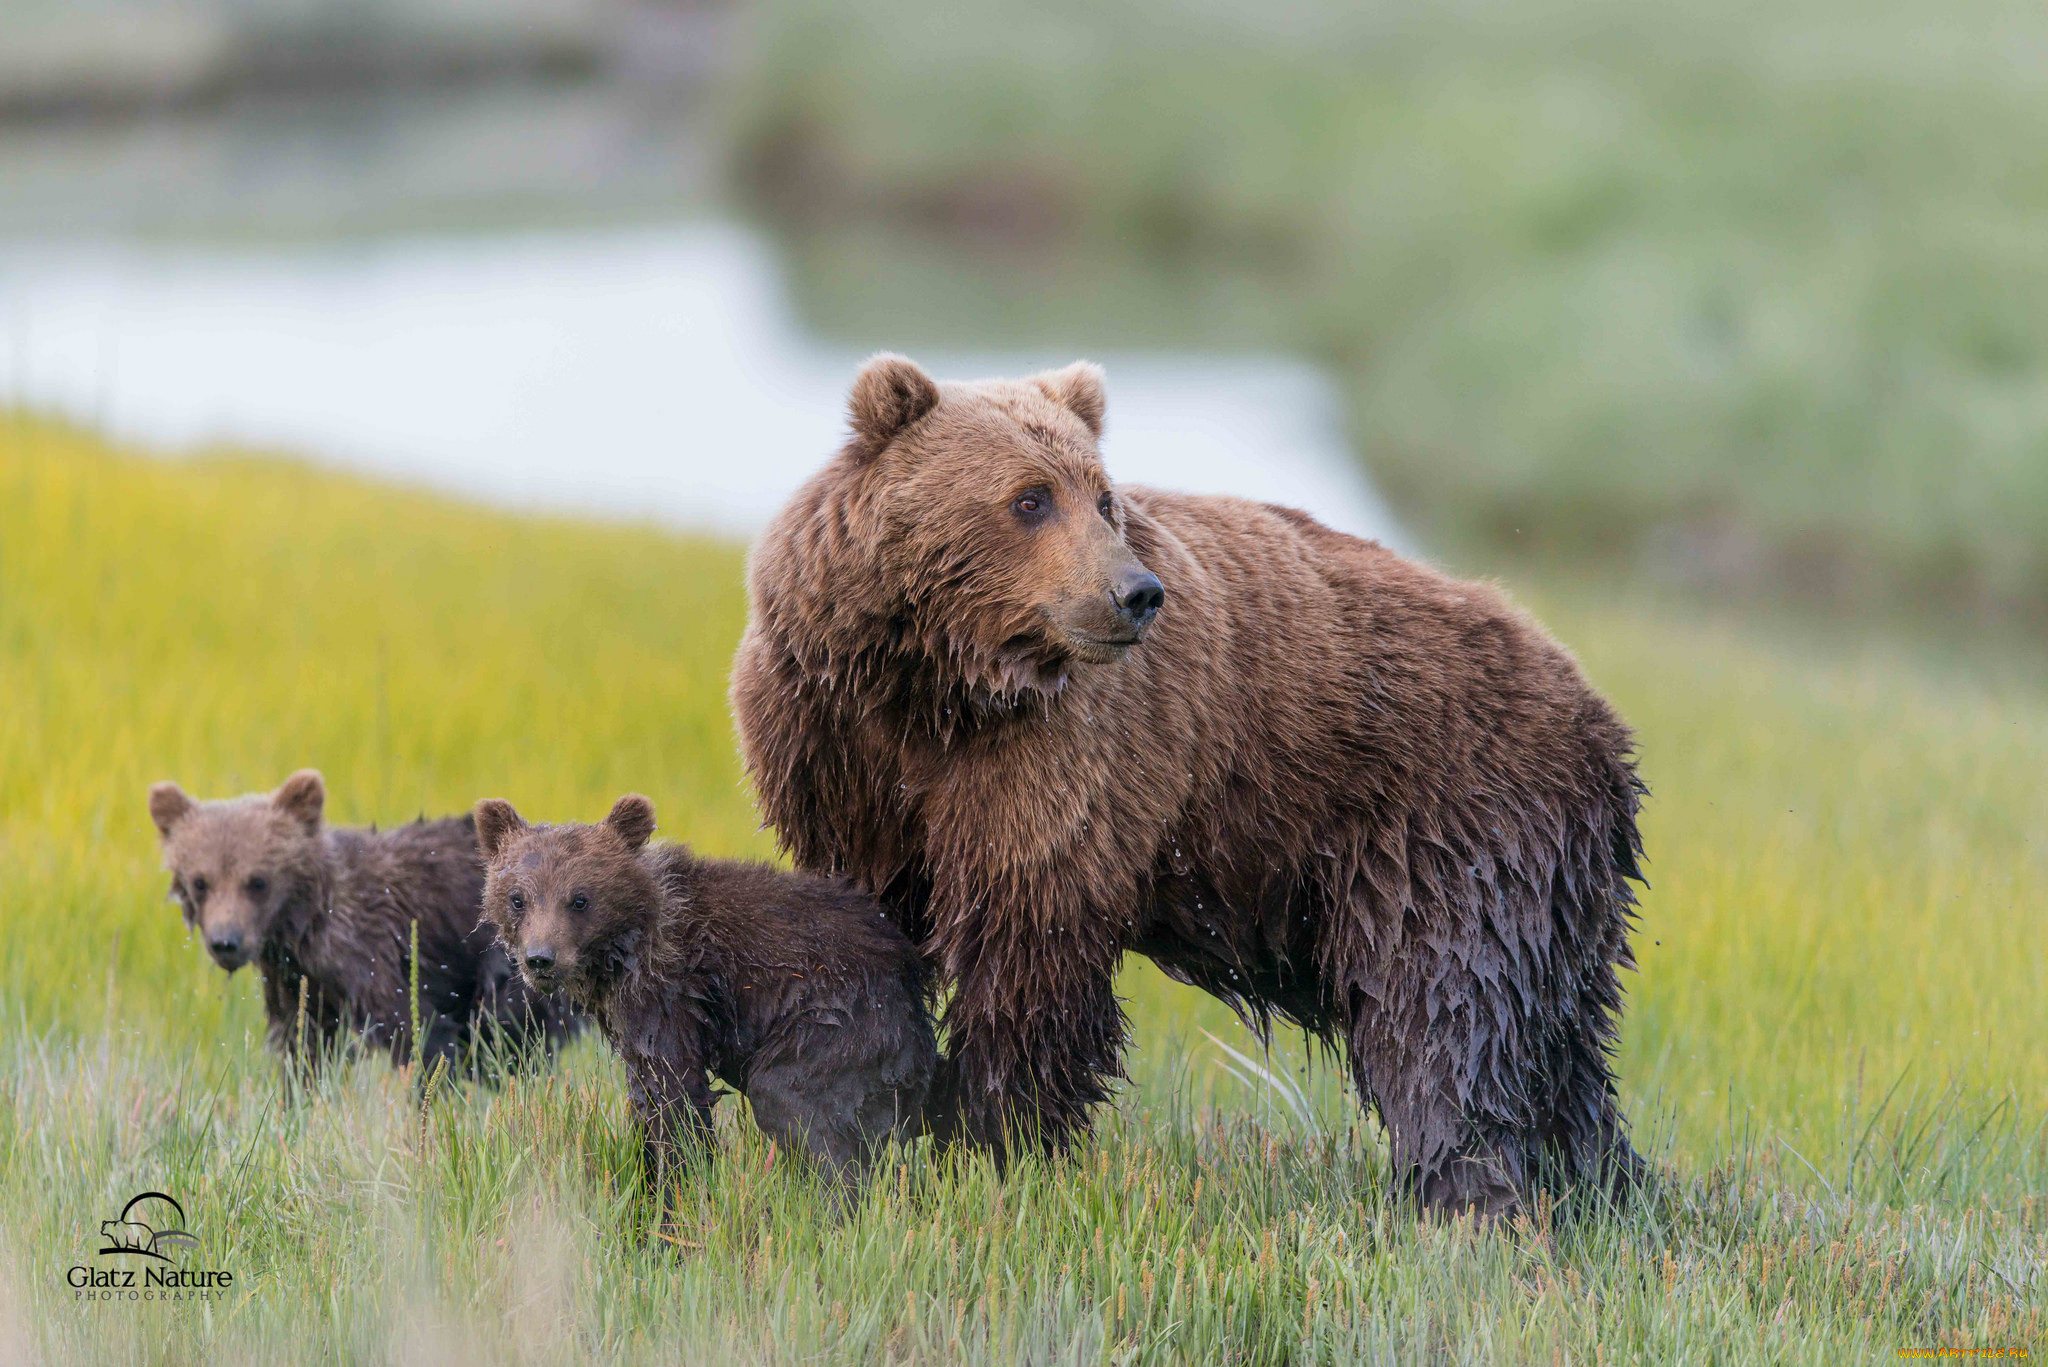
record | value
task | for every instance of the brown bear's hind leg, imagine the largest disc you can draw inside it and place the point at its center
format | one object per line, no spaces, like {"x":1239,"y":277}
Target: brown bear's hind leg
{"x":1448,"y":1164}
{"x":1489,"y":1093}
{"x":1458,"y":1141}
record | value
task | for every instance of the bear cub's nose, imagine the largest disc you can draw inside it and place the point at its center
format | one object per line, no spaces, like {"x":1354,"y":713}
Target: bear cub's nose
{"x":1139,"y":598}
{"x":540,"y":960}
{"x":226,"y":945}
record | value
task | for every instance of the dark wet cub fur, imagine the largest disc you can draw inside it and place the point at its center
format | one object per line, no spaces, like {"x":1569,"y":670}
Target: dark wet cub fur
{"x":1051,"y":720}
{"x":792,"y":990}
{"x":327,"y":917}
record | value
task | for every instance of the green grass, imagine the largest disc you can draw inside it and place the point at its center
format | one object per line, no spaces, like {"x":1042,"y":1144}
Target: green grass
{"x":1838,"y":1044}
{"x":1740,"y":295}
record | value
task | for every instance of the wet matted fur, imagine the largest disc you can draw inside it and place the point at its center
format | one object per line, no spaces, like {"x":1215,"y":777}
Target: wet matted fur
{"x":327,"y":915}
{"x":794,"y":991}
{"x":1326,"y":783}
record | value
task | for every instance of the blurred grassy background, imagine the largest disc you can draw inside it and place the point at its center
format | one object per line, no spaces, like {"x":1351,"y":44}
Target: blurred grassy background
{"x":1839,"y":1032}
{"x":1748,"y":298}
{"x":224,"y":622}
{"x":1845,"y":855}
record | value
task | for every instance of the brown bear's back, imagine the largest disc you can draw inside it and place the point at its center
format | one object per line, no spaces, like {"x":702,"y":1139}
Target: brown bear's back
{"x":1296,"y":645}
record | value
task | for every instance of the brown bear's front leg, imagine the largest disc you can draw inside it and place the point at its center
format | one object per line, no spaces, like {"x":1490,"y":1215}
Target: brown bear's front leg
{"x":1035,"y":1033}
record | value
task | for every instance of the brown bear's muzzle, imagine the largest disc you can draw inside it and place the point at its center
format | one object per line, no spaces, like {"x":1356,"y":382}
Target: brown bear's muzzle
{"x":1105,"y":624}
{"x":1138,"y":596}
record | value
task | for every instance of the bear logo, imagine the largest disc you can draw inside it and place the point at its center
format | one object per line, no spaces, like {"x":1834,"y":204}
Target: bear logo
{"x":127,"y":1235}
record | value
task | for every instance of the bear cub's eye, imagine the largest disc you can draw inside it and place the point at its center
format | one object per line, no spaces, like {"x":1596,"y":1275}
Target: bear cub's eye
{"x":518,"y":901}
{"x":257,"y":885}
{"x":579,"y":902}
{"x":1106,"y":506}
{"x":199,"y":887}
{"x":1032,"y":504}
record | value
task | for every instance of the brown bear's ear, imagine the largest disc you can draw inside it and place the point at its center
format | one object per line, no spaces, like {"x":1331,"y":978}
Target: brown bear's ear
{"x":302,"y":797}
{"x":632,"y":816}
{"x":495,"y":824}
{"x":1078,"y":389}
{"x":168,"y":805}
{"x":889,"y":394}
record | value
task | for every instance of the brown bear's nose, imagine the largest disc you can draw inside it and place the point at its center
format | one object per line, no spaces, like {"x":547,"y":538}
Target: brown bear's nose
{"x":226,"y":945}
{"x":540,"y":959}
{"x":1139,"y":596}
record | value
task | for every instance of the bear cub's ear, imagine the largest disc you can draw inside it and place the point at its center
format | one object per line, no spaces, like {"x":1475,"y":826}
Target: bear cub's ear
{"x":632,"y":816}
{"x":889,"y":394}
{"x":496,"y":823}
{"x":303,"y":797}
{"x":1078,"y":389}
{"x":168,"y":805}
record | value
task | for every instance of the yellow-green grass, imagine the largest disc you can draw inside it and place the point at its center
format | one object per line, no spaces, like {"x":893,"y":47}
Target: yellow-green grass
{"x":1837,"y":1045}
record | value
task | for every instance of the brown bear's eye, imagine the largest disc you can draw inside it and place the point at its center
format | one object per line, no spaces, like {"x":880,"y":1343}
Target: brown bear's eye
{"x":258,"y":885}
{"x":579,"y":902}
{"x":518,"y":902}
{"x":1031,"y":504}
{"x":1104,"y":505}
{"x":199,"y":887}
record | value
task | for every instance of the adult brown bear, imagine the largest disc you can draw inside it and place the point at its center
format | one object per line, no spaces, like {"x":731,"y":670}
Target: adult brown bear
{"x":1048,"y":719}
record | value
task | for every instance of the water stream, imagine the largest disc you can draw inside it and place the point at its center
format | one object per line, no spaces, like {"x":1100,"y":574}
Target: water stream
{"x":534,"y":300}
{"x":649,"y":372}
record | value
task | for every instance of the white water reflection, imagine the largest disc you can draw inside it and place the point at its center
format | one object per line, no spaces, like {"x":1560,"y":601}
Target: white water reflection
{"x":652,"y":373}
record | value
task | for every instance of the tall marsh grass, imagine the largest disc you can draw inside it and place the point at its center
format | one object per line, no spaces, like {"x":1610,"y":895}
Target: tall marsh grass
{"x":1837,"y":1046}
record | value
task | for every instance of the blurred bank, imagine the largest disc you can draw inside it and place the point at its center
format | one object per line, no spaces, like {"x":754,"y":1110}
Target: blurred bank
{"x":1747,"y":299}
{"x":1741,"y":301}
{"x":516,"y":278}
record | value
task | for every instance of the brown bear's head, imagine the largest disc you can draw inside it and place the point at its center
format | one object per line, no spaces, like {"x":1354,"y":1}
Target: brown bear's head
{"x":571,"y":902}
{"x":236,"y":864}
{"x":994,"y":542}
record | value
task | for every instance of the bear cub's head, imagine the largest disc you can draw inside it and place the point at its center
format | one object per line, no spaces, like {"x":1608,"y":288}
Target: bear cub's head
{"x":571,"y":902}
{"x":236,"y":864}
{"x":999,"y":535}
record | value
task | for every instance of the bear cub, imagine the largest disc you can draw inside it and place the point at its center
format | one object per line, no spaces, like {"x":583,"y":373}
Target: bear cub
{"x":327,"y":916}
{"x":793,"y":990}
